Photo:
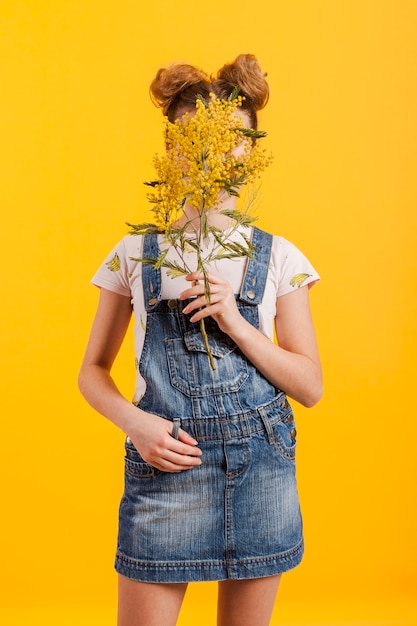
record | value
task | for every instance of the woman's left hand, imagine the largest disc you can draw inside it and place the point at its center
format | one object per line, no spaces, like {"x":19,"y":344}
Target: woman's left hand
{"x":222,"y":306}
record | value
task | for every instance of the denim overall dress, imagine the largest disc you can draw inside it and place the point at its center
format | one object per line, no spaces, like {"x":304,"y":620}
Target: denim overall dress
{"x":237,"y":514}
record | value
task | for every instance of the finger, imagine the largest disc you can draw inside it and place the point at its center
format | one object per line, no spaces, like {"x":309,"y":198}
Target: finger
{"x":172,"y":461}
{"x":192,"y":292}
{"x":186,"y":438}
{"x":202,"y":314}
{"x":197,"y":303}
{"x":212,"y":278}
{"x":172,"y":464}
{"x":172,"y":468}
{"x":218,"y":312}
{"x":194,"y":276}
{"x":177,"y":447}
{"x":182,"y":460}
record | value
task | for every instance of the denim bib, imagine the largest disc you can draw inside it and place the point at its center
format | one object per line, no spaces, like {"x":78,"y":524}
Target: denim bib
{"x":179,"y":379}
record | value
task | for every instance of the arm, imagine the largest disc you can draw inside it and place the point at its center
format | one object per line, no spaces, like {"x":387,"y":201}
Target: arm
{"x":150,"y":434}
{"x":293,"y":365}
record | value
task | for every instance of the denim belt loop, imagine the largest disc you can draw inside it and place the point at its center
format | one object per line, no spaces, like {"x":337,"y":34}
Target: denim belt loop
{"x":268,"y":428}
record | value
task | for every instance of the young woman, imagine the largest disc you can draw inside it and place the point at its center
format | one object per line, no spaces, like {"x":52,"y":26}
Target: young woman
{"x":210,"y":487}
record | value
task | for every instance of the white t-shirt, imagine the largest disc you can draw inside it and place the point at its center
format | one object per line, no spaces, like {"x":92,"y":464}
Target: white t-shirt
{"x":289,"y":269}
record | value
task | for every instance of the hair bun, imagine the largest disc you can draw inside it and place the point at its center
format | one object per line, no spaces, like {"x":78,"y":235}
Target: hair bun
{"x":169,"y":83}
{"x":245,"y":72}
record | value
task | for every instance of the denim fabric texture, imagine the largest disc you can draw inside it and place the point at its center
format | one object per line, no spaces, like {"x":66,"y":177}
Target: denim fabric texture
{"x":237,"y":515}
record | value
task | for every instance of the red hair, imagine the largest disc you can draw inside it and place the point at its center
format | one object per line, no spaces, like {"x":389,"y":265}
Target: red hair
{"x":176,"y":88}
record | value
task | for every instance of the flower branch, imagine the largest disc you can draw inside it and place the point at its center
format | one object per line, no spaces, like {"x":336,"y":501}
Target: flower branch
{"x":209,"y":157}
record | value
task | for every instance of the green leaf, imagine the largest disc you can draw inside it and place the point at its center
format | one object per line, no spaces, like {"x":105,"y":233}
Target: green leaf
{"x":161,"y":259}
{"x":218,"y":235}
{"x":249,"y":244}
{"x":244,"y":219}
{"x":229,"y":255}
{"x":143,"y":229}
{"x":202,"y":99}
{"x":232,"y":191}
{"x":234,"y":93}
{"x":146,"y":260}
{"x":174,"y":269}
{"x":176,"y":272}
{"x":204,"y":225}
{"x":192,"y":244}
{"x":253,"y":134}
{"x":236,"y":248}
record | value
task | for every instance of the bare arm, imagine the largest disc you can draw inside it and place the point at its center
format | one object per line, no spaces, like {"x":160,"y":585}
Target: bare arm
{"x":150,"y":434}
{"x":293,"y":365}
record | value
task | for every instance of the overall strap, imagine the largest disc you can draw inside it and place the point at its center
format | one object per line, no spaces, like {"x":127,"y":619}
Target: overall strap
{"x":151,"y":279}
{"x":256,"y":273}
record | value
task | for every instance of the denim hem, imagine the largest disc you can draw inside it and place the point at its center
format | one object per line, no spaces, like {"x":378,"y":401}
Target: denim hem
{"x":195,"y":571}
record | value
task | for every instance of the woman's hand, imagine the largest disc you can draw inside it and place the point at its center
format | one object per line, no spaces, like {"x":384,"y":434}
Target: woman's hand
{"x":222,"y":306}
{"x":154,"y":442}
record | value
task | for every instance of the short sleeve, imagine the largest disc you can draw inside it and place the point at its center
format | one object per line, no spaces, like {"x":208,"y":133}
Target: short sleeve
{"x":113,"y":273}
{"x":291,"y":268}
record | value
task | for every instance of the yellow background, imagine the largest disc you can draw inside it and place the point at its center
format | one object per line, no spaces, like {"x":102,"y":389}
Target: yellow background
{"x":78,"y":132}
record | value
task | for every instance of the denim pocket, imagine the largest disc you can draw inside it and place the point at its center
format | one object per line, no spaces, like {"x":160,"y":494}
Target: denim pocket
{"x":135,"y":465}
{"x":189,"y":366}
{"x":280,"y":426}
{"x":285,"y":436}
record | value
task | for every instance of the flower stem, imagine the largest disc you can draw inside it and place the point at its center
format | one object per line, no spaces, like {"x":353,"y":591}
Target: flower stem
{"x":206,"y":344}
{"x":202,"y":324}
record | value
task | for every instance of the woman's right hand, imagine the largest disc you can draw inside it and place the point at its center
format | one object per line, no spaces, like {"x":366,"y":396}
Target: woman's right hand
{"x":156,"y":445}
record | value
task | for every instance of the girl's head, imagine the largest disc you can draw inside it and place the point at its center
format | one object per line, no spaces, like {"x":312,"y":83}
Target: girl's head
{"x":176,"y":88}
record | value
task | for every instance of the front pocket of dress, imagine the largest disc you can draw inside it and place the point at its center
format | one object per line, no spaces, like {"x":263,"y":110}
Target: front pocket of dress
{"x":285,"y":437}
{"x":190,"y":370}
{"x":134,"y":464}
{"x":282,"y":431}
